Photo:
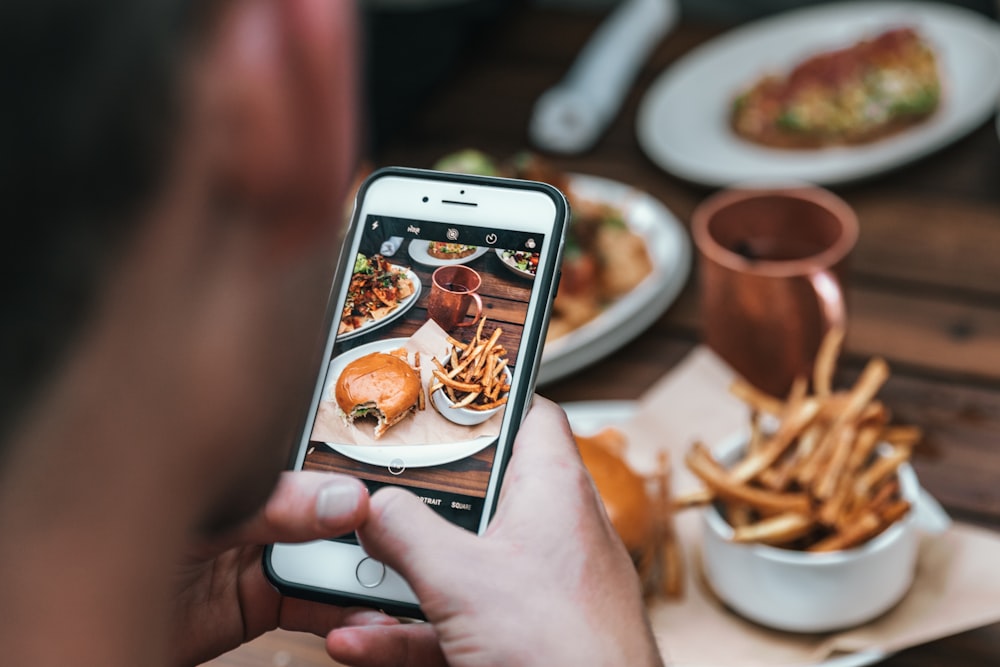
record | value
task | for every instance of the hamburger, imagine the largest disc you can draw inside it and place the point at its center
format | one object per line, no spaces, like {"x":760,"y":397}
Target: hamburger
{"x":443,"y":250}
{"x":622,"y":490}
{"x":641,"y":515}
{"x":378,"y":386}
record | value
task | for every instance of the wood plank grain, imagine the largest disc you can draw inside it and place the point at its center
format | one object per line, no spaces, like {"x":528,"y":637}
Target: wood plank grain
{"x":930,"y":335}
{"x":942,"y":244}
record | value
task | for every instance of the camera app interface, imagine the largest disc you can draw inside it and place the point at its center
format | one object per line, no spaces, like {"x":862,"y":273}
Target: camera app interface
{"x":420,"y":373}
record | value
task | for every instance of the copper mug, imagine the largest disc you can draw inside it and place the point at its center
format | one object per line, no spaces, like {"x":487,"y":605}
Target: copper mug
{"x":771,"y":269}
{"x":453,"y":290}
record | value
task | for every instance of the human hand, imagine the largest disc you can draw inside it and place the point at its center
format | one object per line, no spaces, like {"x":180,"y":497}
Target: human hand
{"x":549,"y":583}
{"x":224,"y":598}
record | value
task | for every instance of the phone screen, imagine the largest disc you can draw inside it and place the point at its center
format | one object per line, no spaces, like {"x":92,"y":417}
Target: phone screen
{"x":431,"y":319}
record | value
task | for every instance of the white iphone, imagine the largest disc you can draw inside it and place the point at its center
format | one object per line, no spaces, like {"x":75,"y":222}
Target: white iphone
{"x":438,"y":318}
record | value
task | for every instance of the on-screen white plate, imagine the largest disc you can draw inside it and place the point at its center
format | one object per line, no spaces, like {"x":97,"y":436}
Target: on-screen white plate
{"x":509,"y":264}
{"x":670,"y":251}
{"x":412,"y":455}
{"x":589,"y":417}
{"x":418,"y":251}
{"x":683,"y":123}
{"x":404,"y":305}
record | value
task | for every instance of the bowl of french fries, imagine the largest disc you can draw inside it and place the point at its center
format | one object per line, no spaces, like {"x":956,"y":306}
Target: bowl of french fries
{"x":807,"y":521}
{"x":472,"y":382}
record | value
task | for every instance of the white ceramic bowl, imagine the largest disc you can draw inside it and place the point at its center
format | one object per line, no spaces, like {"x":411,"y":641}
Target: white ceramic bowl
{"x":464,"y":416}
{"x":799,"y":591}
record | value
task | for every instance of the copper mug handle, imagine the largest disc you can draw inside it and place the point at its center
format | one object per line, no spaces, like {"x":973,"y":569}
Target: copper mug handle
{"x":479,"y":311}
{"x":831,"y":299}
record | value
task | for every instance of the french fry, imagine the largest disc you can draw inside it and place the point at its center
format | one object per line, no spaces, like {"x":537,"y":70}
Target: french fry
{"x":777,"y":529}
{"x":701,"y":463}
{"x":739,"y":516}
{"x":672,"y":562}
{"x":695,"y":498}
{"x":793,"y":423}
{"x":456,"y":384}
{"x":826,"y":362}
{"x":756,"y":399}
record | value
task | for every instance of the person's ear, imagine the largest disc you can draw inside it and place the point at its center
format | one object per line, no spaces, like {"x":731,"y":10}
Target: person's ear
{"x":280,"y":79}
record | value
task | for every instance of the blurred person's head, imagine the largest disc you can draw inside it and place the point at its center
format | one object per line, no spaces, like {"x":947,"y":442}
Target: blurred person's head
{"x":171,"y":176}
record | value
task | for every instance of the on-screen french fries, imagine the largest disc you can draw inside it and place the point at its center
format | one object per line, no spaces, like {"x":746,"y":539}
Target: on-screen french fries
{"x":474,"y":374}
{"x":824,"y":478}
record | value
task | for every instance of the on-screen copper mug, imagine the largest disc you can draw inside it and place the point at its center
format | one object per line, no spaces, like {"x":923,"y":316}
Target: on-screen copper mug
{"x":453,"y":290}
{"x":771,"y":264}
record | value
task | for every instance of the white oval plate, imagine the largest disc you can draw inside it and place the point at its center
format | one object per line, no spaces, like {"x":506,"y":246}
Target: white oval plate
{"x":509,"y":264}
{"x":404,"y":305}
{"x":412,"y":455}
{"x":418,"y":251}
{"x":683,"y":120}
{"x":670,"y":251}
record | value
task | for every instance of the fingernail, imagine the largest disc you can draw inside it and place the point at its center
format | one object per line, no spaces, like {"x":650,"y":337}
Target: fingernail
{"x":337,"y":499}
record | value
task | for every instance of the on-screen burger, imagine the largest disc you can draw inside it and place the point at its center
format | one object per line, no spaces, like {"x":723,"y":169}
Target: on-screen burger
{"x":379,"y":386}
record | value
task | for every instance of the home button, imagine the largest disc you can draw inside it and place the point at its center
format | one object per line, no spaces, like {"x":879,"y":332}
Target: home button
{"x":370,"y":573}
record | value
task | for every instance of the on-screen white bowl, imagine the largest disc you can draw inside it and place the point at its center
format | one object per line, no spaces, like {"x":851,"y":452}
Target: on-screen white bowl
{"x":799,"y":591}
{"x":464,"y":416}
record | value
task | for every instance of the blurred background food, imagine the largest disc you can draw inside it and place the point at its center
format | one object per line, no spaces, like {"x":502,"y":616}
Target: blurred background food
{"x":639,"y":510}
{"x":855,"y":94}
{"x":603,"y":258}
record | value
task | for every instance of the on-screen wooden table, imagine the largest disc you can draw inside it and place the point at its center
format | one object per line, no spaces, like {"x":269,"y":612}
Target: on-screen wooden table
{"x":924,"y":290}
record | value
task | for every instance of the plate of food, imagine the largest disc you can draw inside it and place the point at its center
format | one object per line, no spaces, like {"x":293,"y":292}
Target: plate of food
{"x":379,"y":293}
{"x":627,"y":258}
{"x":826,"y":94}
{"x":617,"y":282}
{"x":376,"y":389}
{"x":519,"y":262}
{"x":444,"y":253}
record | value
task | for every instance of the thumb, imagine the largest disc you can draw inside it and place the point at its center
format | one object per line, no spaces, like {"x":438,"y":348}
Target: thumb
{"x":412,"y":539}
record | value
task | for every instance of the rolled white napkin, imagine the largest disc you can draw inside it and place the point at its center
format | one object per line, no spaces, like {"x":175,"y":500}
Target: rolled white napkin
{"x":569,"y":117}
{"x":390,"y":246}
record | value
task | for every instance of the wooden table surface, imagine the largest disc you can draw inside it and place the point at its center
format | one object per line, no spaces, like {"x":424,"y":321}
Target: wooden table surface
{"x":924,"y":289}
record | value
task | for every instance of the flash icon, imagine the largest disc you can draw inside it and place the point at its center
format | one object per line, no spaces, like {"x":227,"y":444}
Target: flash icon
{"x":375,"y":225}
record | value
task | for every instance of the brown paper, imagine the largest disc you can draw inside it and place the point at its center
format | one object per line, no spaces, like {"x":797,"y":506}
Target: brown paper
{"x":955,"y":588}
{"x":423,"y":427}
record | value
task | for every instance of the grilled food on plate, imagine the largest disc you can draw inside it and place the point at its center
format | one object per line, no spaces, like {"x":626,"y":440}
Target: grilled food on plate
{"x":854,"y":95}
{"x":377,"y":288}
